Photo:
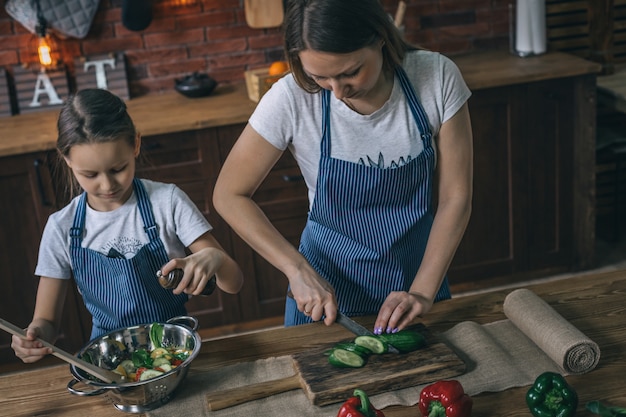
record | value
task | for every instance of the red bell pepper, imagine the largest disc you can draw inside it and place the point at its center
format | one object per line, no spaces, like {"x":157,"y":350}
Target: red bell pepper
{"x":445,"y":399}
{"x":359,"y":406}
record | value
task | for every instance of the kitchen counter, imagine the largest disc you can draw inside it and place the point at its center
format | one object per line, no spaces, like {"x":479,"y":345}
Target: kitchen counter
{"x":592,"y":303}
{"x":229,"y":104}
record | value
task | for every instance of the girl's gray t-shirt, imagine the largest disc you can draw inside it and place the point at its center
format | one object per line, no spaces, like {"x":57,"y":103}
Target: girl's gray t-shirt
{"x":121,"y":232}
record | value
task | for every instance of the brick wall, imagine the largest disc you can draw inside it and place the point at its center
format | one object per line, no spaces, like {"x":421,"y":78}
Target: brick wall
{"x":212,"y":36}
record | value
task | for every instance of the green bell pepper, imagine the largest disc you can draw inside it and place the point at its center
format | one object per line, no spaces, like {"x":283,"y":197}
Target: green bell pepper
{"x":551,"y":396}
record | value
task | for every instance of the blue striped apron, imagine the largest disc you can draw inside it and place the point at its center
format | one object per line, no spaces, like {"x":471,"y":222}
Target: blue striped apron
{"x":367,"y":230}
{"x":121,"y":292}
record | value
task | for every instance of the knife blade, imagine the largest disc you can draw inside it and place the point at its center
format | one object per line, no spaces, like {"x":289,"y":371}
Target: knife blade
{"x":354,"y":327}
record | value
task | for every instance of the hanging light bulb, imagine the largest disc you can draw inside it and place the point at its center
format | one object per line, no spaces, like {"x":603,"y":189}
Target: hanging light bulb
{"x":46,"y":47}
{"x":44,"y":51}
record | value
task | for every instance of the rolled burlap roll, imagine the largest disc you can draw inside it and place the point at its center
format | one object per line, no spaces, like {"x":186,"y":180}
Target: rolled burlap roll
{"x":558,"y":338}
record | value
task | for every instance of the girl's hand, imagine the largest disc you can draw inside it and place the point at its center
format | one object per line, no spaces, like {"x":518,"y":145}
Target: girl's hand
{"x":198,"y":269}
{"x":30,"y":350}
{"x":399,"y":310}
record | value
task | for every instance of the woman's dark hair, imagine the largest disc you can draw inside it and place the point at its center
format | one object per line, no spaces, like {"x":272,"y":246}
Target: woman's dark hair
{"x":92,"y":116}
{"x":339,"y":26}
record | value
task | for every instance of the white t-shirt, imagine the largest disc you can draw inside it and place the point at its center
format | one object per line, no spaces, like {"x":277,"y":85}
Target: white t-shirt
{"x":289,"y":117}
{"x":121,"y":231}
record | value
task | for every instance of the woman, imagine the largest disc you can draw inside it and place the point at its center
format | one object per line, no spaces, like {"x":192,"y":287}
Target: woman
{"x":377,"y":129}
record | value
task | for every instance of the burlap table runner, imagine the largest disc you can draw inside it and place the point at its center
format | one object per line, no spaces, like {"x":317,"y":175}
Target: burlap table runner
{"x":500,"y":355}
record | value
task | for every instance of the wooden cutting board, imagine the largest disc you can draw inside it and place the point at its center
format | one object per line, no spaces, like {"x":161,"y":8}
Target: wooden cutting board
{"x":325,"y":384}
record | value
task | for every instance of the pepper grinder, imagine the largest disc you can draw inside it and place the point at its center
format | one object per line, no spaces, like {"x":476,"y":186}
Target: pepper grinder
{"x":172,"y":280}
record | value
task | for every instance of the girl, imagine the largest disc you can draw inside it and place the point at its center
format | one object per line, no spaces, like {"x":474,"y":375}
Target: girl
{"x":378,"y":129}
{"x":114,"y":236}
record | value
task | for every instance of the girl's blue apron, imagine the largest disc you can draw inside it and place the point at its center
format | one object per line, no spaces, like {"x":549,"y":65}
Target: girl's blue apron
{"x":368,"y":227}
{"x":121,"y":292}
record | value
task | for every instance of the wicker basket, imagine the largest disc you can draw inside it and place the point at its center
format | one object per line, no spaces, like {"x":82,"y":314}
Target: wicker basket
{"x":258,"y":81}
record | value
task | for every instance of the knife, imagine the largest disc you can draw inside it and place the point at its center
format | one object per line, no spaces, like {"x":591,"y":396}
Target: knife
{"x":354,"y":327}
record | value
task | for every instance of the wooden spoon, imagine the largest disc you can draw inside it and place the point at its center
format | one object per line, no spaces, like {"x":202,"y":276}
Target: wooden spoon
{"x":100,"y":373}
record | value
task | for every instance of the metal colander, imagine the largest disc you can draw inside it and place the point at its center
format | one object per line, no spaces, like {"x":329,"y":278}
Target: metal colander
{"x":141,"y":396}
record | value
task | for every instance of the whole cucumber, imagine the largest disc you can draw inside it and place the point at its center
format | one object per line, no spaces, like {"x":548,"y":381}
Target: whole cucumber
{"x":405,"y":340}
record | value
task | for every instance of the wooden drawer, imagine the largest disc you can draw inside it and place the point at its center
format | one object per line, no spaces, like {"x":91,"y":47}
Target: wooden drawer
{"x":284,"y":182}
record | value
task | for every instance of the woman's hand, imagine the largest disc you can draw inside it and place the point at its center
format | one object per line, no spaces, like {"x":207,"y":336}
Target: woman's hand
{"x":30,"y":350}
{"x":399,"y":310}
{"x":314,"y":296}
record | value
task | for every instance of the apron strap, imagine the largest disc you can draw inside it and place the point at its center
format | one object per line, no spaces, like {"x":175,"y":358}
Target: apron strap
{"x":325,"y":144}
{"x":76,"y":232}
{"x":416,"y":107}
{"x":145,"y":210}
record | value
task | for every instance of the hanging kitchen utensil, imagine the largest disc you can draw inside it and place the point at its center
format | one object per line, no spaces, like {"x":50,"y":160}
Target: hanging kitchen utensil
{"x":136,"y":14}
{"x":71,"y":18}
{"x":100,"y":373}
{"x":264,"y":13}
{"x":399,"y":17}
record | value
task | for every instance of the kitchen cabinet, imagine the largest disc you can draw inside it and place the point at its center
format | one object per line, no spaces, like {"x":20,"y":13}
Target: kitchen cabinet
{"x":530,"y":193}
{"x":192,"y":160}
{"x":28,"y":200}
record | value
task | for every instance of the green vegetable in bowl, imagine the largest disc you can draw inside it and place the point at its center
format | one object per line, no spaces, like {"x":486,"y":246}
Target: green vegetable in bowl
{"x":156,"y":335}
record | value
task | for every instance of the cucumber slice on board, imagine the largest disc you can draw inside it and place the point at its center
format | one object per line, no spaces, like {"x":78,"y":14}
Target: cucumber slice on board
{"x":375,"y":344}
{"x":345,"y":359}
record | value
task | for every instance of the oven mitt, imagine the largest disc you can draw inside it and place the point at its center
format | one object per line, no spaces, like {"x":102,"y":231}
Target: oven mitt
{"x":136,"y":14}
{"x":68,"y":18}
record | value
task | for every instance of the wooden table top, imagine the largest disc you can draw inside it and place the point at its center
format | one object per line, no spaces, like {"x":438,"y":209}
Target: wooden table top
{"x":229,"y":104}
{"x":595,"y":304}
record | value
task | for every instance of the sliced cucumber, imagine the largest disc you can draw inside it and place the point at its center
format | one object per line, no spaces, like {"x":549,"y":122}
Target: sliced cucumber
{"x":353,"y":347}
{"x":161,"y":360}
{"x":375,"y":344}
{"x":166,"y":367}
{"x":149,"y":373}
{"x":129,"y":366}
{"x":345,"y":359}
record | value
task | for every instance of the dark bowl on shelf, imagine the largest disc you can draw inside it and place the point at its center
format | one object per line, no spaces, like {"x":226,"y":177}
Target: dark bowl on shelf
{"x":195,"y":85}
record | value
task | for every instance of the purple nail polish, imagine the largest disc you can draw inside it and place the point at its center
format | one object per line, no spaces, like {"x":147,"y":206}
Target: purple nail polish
{"x":378,"y":330}
{"x":388,"y":330}
{"x":395,"y":330}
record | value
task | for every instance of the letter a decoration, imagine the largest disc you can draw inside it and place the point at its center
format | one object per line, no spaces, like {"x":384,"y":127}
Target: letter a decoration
{"x":38,"y":89}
